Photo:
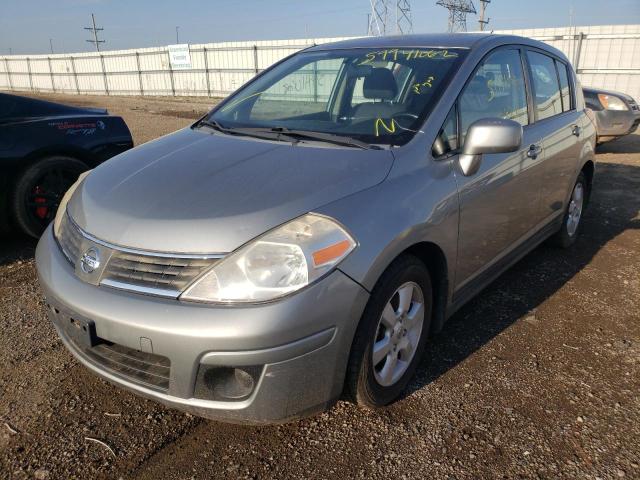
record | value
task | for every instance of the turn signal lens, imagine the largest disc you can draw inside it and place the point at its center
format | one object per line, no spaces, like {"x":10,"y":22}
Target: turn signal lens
{"x":611,"y":102}
{"x":282,"y":261}
{"x":331,"y":253}
{"x":62,"y":208}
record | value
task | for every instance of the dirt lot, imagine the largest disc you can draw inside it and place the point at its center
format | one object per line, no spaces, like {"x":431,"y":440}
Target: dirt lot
{"x":539,"y":377}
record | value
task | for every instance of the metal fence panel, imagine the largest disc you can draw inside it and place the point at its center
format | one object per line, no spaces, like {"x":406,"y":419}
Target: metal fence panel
{"x":605,"y":56}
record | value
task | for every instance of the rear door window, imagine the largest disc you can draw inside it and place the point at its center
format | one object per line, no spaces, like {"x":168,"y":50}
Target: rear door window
{"x":546,"y":88}
{"x":565,"y":91}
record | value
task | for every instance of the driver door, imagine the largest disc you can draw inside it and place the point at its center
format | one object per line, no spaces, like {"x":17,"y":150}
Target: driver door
{"x":499,"y":203}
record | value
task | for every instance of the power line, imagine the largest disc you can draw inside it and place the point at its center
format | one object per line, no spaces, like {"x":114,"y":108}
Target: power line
{"x":458,"y":10}
{"x":95,"y":31}
{"x":483,"y":8}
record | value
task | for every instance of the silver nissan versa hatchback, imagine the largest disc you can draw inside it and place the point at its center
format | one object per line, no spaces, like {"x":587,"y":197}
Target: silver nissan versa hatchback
{"x":307,"y":235}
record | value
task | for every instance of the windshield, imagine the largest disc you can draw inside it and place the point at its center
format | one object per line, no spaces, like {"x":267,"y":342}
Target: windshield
{"x":370,"y":95}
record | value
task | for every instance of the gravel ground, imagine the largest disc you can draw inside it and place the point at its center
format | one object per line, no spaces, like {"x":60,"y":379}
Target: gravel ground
{"x":538,"y":377}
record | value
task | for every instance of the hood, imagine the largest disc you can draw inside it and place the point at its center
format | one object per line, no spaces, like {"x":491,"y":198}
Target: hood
{"x":198,"y":192}
{"x":596,"y":91}
{"x":17,"y":107}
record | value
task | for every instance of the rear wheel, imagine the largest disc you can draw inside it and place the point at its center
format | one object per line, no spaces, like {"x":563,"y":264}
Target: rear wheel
{"x":572,"y":220}
{"x":40,"y":188}
{"x":392,"y":333}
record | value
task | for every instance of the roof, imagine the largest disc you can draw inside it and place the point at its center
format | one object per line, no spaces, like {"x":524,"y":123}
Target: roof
{"x":447,"y":40}
{"x":439,"y":40}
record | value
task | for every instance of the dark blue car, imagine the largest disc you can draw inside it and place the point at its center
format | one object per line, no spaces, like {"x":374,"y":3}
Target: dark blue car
{"x":44,"y":146}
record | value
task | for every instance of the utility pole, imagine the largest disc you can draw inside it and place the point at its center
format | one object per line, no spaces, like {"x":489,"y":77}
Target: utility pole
{"x":177,"y":36}
{"x":51,"y":44}
{"x":483,"y":8}
{"x":95,"y":31}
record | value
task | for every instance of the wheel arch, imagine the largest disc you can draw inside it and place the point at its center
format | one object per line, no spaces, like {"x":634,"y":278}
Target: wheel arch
{"x":435,"y":260}
{"x":63,"y":150}
{"x":589,"y":170}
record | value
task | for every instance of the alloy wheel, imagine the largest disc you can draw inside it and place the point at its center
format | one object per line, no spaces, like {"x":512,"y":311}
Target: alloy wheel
{"x":575,"y":209}
{"x":398,"y":334}
{"x":45,"y":194}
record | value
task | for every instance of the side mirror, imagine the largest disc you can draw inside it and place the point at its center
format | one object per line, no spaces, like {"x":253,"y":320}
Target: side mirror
{"x":488,"y":135}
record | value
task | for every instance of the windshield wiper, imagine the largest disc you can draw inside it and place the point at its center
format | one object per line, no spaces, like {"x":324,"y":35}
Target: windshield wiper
{"x":247,"y":132}
{"x":325,"y":137}
{"x":284,"y":134}
{"x":211,"y":124}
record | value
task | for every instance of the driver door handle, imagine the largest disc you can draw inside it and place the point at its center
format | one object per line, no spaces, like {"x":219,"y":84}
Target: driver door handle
{"x":576,"y":130}
{"x":534,"y":151}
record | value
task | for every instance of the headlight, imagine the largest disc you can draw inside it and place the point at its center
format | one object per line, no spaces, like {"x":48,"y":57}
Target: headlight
{"x":282,"y":261}
{"x":611,"y":102}
{"x":63,"y":203}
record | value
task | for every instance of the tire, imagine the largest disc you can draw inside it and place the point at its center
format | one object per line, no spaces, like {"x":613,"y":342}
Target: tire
{"x":368,"y":383}
{"x":39,"y":189}
{"x":572,"y":220}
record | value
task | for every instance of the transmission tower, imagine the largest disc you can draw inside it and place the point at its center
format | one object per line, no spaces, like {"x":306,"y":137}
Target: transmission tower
{"x":381,"y":21}
{"x":379,"y":17}
{"x":404,"y":22}
{"x":458,"y":10}
{"x":483,"y":9}
{"x":95,"y":31}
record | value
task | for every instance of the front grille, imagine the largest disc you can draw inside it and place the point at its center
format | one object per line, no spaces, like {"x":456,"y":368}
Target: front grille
{"x":150,"y":272}
{"x":147,"y":369}
{"x":143,"y":368}
{"x":69,"y":239}
{"x":144,"y":272}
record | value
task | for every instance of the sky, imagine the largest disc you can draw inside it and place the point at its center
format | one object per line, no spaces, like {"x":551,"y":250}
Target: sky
{"x":26,"y":26}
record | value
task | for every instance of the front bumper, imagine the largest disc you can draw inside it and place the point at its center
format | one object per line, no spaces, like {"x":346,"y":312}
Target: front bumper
{"x":301,"y":343}
{"x":611,"y":124}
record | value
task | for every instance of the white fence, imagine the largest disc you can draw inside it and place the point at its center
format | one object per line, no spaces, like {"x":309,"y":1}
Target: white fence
{"x":216,"y":69}
{"x":604,"y":56}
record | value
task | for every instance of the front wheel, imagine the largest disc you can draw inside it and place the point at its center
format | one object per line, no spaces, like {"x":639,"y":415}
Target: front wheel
{"x":39,"y":189}
{"x":572,"y":220}
{"x":392,"y":334}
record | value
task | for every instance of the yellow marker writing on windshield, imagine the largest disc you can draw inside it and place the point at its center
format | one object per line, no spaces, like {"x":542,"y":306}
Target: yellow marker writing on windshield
{"x":417,"y":87}
{"x":393,"y":54}
{"x":391,"y":128}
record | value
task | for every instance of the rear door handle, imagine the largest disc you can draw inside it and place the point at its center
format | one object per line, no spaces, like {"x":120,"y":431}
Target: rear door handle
{"x":534,"y":151}
{"x":576,"y":130}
